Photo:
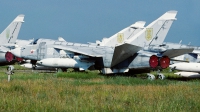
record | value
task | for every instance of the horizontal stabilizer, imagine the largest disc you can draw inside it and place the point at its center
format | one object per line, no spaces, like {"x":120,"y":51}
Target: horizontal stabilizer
{"x":122,"y":52}
{"x":177,"y":52}
{"x":87,"y":52}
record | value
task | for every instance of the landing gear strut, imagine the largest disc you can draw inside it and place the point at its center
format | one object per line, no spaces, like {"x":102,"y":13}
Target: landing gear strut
{"x":159,"y":76}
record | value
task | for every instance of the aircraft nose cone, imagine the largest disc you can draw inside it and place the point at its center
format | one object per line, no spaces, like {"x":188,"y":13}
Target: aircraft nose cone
{"x":16,"y":52}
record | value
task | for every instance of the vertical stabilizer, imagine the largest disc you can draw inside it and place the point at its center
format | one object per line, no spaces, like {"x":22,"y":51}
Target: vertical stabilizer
{"x":10,"y":34}
{"x":155,"y":32}
{"x":61,"y":39}
{"x":123,"y":35}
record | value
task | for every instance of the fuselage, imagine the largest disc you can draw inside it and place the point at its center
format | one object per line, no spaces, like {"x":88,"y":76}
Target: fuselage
{"x":44,"y":51}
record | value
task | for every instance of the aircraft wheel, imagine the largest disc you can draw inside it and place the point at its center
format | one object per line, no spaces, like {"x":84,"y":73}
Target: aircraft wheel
{"x":161,"y":76}
{"x":150,"y":76}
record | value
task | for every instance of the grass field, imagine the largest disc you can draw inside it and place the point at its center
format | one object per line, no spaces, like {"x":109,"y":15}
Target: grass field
{"x":92,"y":92}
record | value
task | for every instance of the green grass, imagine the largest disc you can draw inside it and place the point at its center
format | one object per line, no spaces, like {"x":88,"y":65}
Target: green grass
{"x":91,"y":92}
{"x":78,"y":75}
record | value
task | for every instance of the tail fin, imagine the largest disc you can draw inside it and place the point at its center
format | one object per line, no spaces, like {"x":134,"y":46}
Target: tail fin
{"x":157,"y":29}
{"x":154,"y":33}
{"x":123,"y":35}
{"x":61,"y":39}
{"x":10,"y":34}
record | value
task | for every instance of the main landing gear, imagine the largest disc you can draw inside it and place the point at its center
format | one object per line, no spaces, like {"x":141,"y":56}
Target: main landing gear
{"x":159,"y":76}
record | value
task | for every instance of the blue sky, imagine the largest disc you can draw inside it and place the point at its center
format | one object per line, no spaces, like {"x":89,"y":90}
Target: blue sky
{"x":90,"y":20}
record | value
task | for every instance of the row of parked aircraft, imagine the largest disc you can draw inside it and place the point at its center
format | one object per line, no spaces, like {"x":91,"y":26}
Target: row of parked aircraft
{"x":133,"y":48}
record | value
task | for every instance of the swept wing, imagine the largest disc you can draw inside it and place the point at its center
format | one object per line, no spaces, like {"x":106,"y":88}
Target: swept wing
{"x":87,"y":52}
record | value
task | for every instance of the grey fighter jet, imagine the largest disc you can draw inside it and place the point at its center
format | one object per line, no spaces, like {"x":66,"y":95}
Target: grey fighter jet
{"x":127,"y":52}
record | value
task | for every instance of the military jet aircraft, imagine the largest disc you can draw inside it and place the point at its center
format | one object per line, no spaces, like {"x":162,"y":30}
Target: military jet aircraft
{"x":8,"y":39}
{"x":142,"y":50}
{"x":187,"y":64}
{"x":129,"y":31}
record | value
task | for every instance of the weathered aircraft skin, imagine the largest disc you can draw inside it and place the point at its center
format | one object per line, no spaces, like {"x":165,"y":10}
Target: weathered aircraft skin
{"x":134,"y":51}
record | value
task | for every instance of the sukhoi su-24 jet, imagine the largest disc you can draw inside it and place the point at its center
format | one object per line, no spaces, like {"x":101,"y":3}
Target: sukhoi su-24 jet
{"x":127,"y":51}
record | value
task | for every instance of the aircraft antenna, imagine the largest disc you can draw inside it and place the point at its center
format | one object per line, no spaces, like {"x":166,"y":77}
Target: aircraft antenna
{"x":180,"y":42}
